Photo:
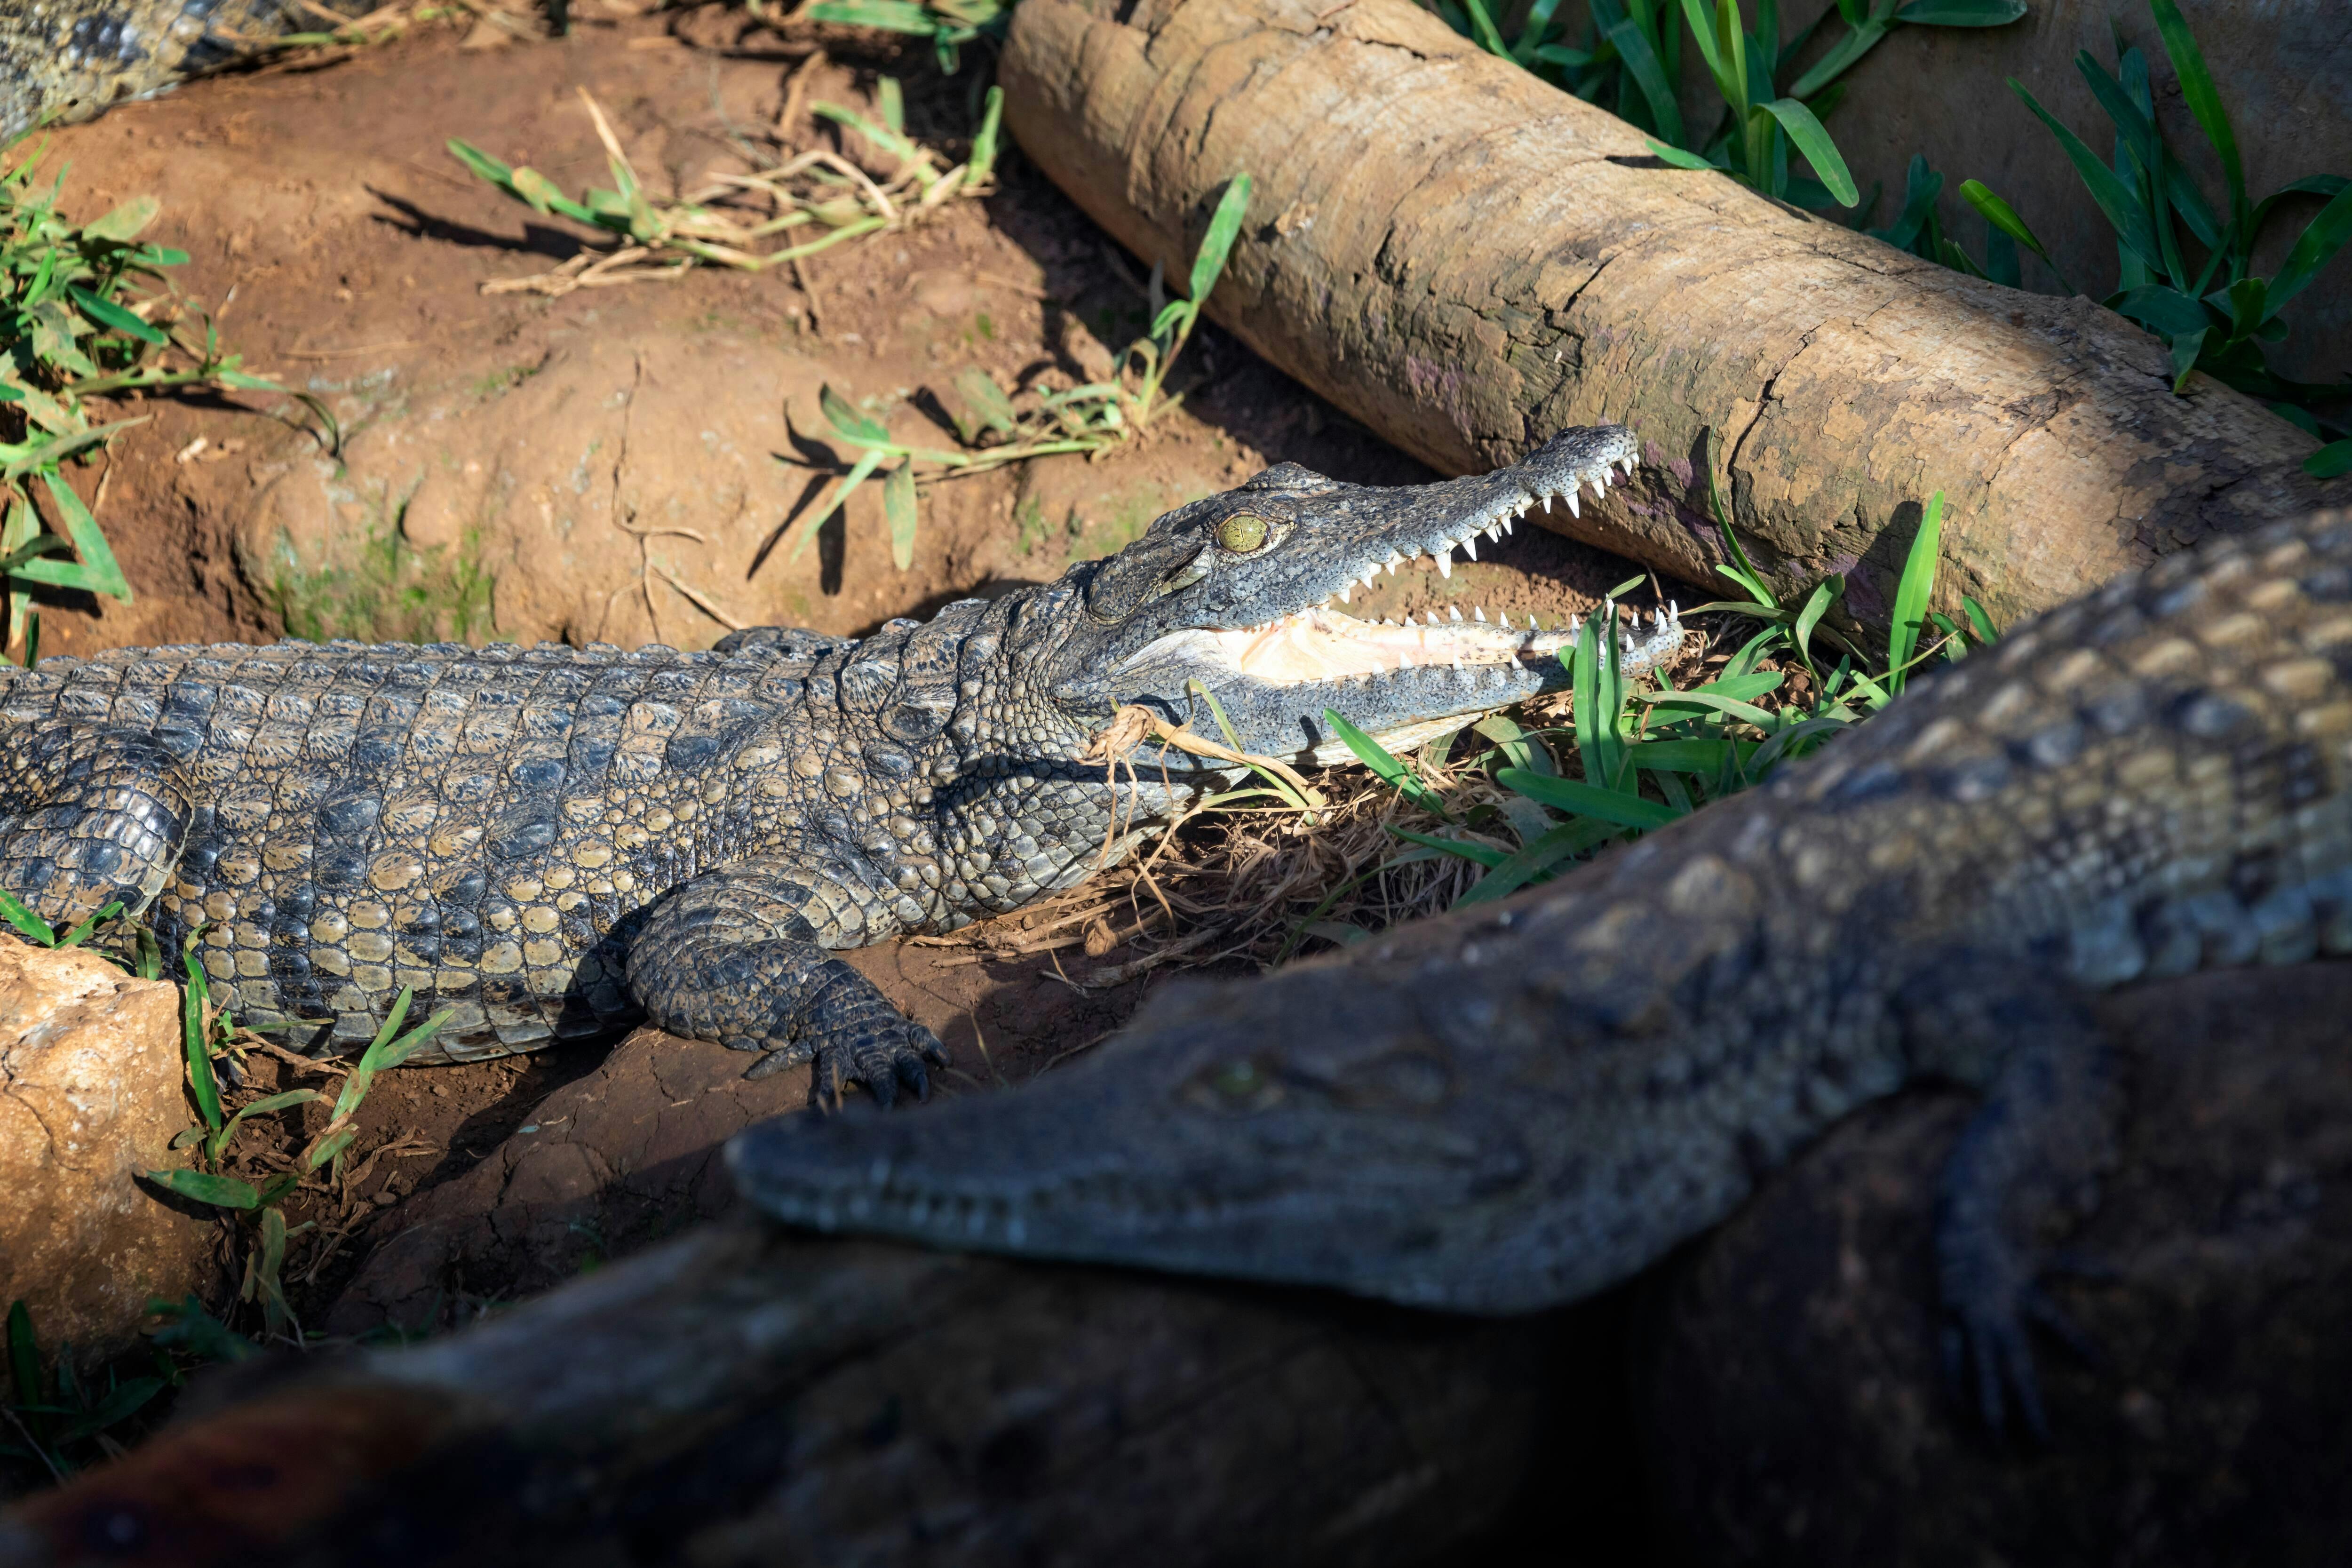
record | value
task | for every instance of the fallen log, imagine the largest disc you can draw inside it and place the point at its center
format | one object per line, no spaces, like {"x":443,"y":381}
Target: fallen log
{"x":1468,"y":259}
{"x":746,"y":1395}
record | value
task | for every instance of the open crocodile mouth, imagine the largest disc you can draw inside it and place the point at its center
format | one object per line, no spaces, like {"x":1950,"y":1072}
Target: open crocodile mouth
{"x":1323,"y":645}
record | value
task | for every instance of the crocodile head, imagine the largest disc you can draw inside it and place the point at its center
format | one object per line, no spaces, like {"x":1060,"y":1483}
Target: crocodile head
{"x":1219,"y":1135}
{"x":1246,"y":592}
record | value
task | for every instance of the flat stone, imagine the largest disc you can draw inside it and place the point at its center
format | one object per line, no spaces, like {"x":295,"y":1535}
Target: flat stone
{"x":90,"y":1095}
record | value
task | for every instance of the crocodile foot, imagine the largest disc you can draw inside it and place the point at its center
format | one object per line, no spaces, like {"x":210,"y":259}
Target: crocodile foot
{"x":881,"y":1055}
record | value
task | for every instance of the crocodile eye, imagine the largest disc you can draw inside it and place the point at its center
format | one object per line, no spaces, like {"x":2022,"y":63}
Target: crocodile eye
{"x":1237,"y":1086}
{"x":1242,"y":534}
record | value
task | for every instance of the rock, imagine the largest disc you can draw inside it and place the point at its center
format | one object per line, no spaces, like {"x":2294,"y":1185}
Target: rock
{"x":89,"y":1096}
{"x":1790,"y":1397}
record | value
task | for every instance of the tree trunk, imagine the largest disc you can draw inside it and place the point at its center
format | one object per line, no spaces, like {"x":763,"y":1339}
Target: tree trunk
{"x":747,"y":1395}
{"x":1468,"y":259}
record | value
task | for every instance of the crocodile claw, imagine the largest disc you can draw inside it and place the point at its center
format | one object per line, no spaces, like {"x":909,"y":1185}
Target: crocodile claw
{"x":900,"y":1056}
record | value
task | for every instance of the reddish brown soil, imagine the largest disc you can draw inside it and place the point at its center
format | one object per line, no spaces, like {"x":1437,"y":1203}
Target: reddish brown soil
{"x":341,"y":248}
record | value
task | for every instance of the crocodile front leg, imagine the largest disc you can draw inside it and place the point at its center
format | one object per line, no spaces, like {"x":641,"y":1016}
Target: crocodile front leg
{"x":733,"y":956}
{"x":2030,"y":1161}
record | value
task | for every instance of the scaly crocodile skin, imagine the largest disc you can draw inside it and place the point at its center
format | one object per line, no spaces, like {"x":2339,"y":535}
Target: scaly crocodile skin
{"x":68,"y":59}
{"x":553,"y":841}
{"x":1509,"y":1108}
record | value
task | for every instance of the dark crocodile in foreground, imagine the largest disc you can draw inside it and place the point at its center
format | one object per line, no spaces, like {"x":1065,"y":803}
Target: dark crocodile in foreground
{"x":68,"y":59}
{"x":553,"y":841}
{"x":1502,"y":1110}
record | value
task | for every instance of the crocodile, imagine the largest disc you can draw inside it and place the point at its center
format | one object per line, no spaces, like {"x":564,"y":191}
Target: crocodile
{"x":1523,"y":1103}
{"x":70,"y":59}
{"x":554,"y":842}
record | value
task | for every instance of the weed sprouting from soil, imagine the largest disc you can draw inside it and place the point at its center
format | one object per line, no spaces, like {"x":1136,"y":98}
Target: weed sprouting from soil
{"x":2219,"y":315}
{"x":86,"y":313}
{"x":1003,"y":427}
{"x":719,"y":225}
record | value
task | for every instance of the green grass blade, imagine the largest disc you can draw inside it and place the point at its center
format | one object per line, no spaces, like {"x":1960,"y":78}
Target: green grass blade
{"x":1484,"y":855}
{"x":1680,"y":159}
{"x":1805,"y":131}
{"x":97,"y":557}
{"x":2205,"y":103}
{"x":2320,"y":240}
{"x":1217,"y":244}
{"x":124,"y":224}
{"x":984,"y":141}
{"x":221,"y":1192}
{"x":1388,"y":768}
{"x":1538,"y":857}
{"x":1589,"y":800}
{"x":34,"y":926}
{"x":2121,"y":208}
{"x":1674,"y":702}
{"x":2004,"y":217}
{"x":1482,"y":27}
{"x":107,"y":313}
{"x":194,"y":1004}
{"x":858,"y":474}
{"x":1841,"y":58}
{"x":1962,"y":12}
{"x":846,"y":419}
{"x":1642,"y":63}
{"x":1913,"y":589}
{"x":1595,"y":700}
{"x":81,"y":933}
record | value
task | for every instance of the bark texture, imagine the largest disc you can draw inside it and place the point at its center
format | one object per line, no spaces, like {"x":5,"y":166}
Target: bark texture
{"x":1468,"y":259}
{"x":741,"y":1396}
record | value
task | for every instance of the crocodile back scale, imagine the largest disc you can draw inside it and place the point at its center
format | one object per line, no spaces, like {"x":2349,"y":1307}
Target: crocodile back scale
{"x":551,"y":842}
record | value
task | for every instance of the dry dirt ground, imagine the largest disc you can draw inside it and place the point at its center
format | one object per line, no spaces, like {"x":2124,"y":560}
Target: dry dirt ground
{"x":619,"y":464}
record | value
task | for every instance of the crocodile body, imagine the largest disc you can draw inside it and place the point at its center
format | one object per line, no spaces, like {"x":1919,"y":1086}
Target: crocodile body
{"x":550,"y":842}
{"x":68,"y":59}
{"x":1503,"y":1109}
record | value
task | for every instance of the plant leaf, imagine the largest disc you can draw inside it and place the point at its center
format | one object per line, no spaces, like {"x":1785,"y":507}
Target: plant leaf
{"x":847,"y":420}
{"x":1389,"y":770}
{"x":26,"y":921}
{"x":123,"y":224}
{"x":221,"y":1192}
{"x":2205,"y":103}
{"x":1224,"y":225}
{"x":89,"y":544}
{"x":2121,"y":207}
{"x":1589,"y":800}
{"x":1642,"y":63}
{"x":1913,"y":589}
{"x":1962,"y":12}
{"x":2320,"y":240}
{"x":2330,"y":461}
{"x":1814,"y":142}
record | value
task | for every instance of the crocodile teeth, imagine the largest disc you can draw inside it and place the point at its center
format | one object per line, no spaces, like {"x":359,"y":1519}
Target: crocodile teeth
{"x":1446,"y":563}
{"x":1345,"y":592}
{"x":1395,"y":561}
{"x":1478,"y":612}
{"x":1452,"y":614}
{"x":1495,"y":532}
{"x":1408,"y":619}
{"x":1573,"y":510}
{"x":1470,"y":548}
{"x":1370,"y":573}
